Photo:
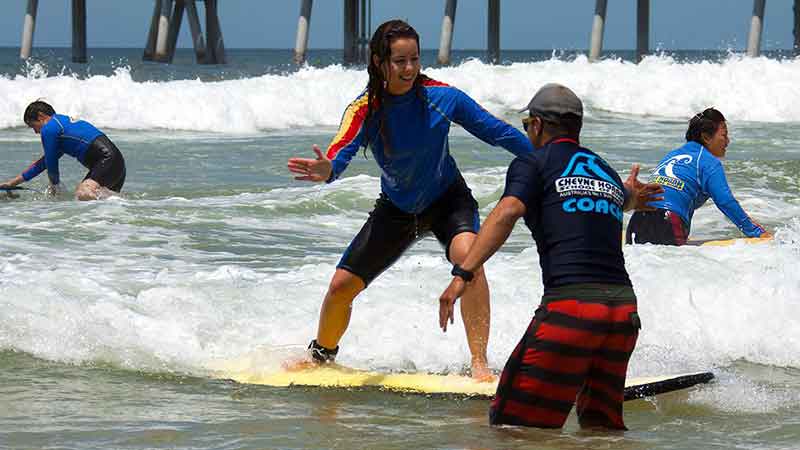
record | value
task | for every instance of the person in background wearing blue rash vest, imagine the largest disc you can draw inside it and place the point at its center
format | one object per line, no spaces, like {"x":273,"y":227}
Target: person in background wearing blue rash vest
{"x":690,"y":175}
{"x":79,"y":139}
{"x":580,"y":339}
{"x":404,"y":118}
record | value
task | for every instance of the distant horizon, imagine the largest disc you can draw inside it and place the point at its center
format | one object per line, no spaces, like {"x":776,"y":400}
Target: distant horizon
{"x":586,"y":49}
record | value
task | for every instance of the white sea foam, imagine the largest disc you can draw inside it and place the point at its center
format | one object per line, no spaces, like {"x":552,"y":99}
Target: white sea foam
{"x":157,"y":299}
{"x":746,"y":89}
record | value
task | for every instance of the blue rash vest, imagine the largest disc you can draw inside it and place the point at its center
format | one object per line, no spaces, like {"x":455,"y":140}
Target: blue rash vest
{"x":574,"y":205}
{"x":418,"y":167}
{"x":690,"y":175}
{"x":60,"y":136}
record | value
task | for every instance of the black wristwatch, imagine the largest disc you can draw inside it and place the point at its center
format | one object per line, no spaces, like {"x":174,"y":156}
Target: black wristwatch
{"x":465,"y":275}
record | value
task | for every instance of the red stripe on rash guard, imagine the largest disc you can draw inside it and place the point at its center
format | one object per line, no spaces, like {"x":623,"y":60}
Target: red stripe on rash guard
{"x":431,"y":82}
{"x":352,"y":121}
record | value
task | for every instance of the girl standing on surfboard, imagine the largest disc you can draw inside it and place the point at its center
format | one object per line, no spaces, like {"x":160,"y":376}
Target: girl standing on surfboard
{"x":691,"y":175}
{"x":404,"y":118}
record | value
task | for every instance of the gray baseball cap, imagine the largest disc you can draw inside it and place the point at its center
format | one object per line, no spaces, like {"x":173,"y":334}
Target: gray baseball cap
{"x":553,"y":101}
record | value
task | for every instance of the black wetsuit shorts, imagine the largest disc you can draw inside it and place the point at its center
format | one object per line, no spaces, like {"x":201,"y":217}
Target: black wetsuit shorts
{"x":105,"y":163}
{"x":389,"y":231}
{"x":661,"y":226}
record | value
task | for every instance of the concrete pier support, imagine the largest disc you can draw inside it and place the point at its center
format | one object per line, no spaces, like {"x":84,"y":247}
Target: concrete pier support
{"x":162,"y":36}
{"x":796,"y":27}
{"x":175,"y":21}
{"x":365,"y":30}
{"x":357,"y":31}
{"x":28,"y":27}
{"x":448,"y":24}
{"x":303,"y":28}
{"x":198,"y":41}
{"x":493,"y":30}
{"x":79,"y":31}
{"x":642,"y":28}
{"x":165,"y":28}
{"x":216,"y":45}
{"x":756,"y":25}
{"x":598,"y":27}
{"x":152,"y":34}
{"x":350,"y":31}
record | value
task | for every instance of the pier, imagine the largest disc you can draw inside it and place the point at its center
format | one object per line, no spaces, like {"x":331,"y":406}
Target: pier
{"x":209,"y":47}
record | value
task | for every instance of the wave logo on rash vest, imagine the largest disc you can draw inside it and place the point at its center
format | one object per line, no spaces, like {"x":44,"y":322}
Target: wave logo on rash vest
{"x":664,"y":174}
{"x":590,"y":188}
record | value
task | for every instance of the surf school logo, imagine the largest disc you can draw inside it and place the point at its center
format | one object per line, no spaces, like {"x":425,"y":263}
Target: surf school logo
{"x":590,"y":187}
{"x":664,"y":174}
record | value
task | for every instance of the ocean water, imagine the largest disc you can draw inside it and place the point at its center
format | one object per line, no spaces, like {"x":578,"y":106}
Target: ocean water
{"x":115,"y":315}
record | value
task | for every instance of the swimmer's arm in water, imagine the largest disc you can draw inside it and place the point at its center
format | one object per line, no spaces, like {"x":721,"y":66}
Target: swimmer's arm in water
{"x":638,"y":195}
{"x":716,"y":184}
{"x":13,"y":182}
{"x":52,"y":153}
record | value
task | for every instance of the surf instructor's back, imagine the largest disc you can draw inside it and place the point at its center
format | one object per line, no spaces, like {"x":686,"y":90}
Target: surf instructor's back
{"x":79,"y":139}
{"x":582,"y":335}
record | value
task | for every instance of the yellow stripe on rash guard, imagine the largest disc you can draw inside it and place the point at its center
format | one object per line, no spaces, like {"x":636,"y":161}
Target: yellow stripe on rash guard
{"x":352,"y":119}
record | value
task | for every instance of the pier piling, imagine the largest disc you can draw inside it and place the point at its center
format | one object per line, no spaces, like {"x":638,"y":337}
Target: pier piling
{"x":796,"y":30}
{"x":642,"y":29}
{"x":79,"y":31}
{"x":350,"y":32}
{"x":493,"y":30}
{"x":28,"y":26}
{"x":598,"y":26}
{"x":303,"y":28}
{"x":165,"y":28}
{"x":448,"y":24}
{"x":356,"y":31}
{"x":162,"y":36}
{"x":216,"y":45}
{"x":175,"y":28}
{"x":150,"y":45}
{"x":198,"y":42}
{"x":756,"y":24}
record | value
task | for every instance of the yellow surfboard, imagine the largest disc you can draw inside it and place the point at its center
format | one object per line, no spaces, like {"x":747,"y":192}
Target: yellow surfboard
{"x":727,"y":242}
{"x":336,"y":376}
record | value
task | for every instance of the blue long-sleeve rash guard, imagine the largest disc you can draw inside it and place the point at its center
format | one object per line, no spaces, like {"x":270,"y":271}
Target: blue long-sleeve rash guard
{"x":418,"y":167}
{"x":60,"y":136}
{"x":690,"y":175}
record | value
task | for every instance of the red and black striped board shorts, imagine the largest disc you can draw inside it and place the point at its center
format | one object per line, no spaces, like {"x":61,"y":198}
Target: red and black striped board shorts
{"x":573,"y":349}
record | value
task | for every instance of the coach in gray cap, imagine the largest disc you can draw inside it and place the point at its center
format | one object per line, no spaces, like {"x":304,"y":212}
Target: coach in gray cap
{"x":578,"y":343}
{"x":554,"y":108}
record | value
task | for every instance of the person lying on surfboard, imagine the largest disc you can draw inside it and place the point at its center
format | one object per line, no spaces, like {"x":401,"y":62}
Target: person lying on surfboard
{"x":690,"y":175}
{"x":404,"y":118}
{"x":581,"y":337}
{"x":79,"y":139}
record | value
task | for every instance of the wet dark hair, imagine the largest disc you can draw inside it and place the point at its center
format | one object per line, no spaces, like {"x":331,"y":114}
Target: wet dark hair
{"x":377,"y":96}
{"x":568,"y":125}
{"x":706,"y":122}
{"x":33,"y":110}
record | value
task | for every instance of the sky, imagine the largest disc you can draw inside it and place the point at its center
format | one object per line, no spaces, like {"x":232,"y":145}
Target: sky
{"x":525,"y":24}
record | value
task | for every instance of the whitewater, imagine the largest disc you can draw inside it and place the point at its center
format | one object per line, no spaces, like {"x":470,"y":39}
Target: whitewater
{"x":746,"y":89}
